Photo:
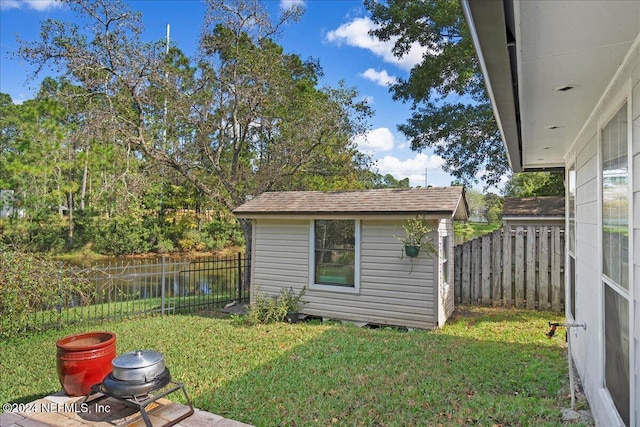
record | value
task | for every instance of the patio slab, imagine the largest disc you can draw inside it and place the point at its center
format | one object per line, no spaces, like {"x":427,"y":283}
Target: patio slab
{"x":59,"y":410}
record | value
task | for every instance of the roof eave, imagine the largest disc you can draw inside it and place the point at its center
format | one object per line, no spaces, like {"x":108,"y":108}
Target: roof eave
{"x":537,"y":218}
{"x":346,"y":215}
{"x":487,"y":25}
{"x":461,"y":212}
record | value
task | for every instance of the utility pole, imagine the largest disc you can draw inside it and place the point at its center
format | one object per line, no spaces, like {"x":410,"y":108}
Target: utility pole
{"x":166,"y":77}
{"x":425,"y":177}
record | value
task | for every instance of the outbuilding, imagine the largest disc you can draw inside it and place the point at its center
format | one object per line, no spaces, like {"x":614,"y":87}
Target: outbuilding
{"x":345,"y":248}
{"x":536,"y":211}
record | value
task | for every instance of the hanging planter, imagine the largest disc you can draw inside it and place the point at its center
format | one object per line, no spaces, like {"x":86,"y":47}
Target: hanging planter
{"x":411,"y":251}
{"x":416,"y":237}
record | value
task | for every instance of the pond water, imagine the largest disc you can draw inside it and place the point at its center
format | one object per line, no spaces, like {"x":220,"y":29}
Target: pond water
{"x":126,"y":278}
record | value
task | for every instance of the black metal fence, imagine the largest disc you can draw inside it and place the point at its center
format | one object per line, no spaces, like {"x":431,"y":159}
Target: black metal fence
{"x":128,"y":289}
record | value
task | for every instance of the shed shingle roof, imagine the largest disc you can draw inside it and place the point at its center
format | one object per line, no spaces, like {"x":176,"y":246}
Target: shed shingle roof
{"x":547,"y":206}
{"x":445,"y":201}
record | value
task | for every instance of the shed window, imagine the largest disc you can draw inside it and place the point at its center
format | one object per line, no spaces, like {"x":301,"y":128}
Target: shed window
{"x":444,"y":258}
{"x":335,"y":253}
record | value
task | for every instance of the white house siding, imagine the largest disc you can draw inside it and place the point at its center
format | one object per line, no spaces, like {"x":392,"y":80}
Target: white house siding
{"x":588,"y":309}
{"x":390,"y":293}
{"x":635,"y":303}
{"x":587,"y":346}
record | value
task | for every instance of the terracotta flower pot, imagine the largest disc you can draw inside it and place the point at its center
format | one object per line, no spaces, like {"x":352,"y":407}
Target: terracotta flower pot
{"x":84,"y":360}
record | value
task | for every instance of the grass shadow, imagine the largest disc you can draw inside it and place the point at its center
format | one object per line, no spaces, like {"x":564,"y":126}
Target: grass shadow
{"x":351,"y":376}
{"x":477,"y":370}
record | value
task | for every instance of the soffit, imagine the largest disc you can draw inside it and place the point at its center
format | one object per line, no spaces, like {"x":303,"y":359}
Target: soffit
{"x":580,"y":44}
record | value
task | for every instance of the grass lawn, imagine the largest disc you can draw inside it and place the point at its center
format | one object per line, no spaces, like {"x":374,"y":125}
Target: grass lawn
{"x":486,"y":367}
{"x":471,"y":230}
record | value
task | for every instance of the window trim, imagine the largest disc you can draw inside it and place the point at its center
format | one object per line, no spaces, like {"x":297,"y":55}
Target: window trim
{"x":605,"y":281}
{"x":570,"y":275}
{"x":312,"y":259}
{"x":445,"y":259}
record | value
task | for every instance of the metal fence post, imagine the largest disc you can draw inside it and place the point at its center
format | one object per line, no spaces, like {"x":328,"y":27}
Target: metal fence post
{"x":162,"y":280}
{"x":239,"y":277}
{"x":60,"y":292}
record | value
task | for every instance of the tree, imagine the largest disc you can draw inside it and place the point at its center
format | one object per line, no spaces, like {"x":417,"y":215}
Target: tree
{"x":36,"y":163}
{"x":477,"y":208}
{"x":260,"y":124}
{"x":494,"y":206}
{"x":244,"y":118}
{"x":451,"y":112}
{"x":531,"y":184}
{"x":61,"y":174}
{"x":372,"y":179}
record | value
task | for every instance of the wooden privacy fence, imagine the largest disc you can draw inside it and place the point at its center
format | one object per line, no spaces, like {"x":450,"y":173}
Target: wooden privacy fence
{"x":515,"y":266}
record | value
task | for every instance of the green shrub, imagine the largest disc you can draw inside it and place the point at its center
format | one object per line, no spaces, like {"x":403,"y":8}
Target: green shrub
{"x":193,"y":240}
{"x":43,"y":233}
{"x":122,"y":235}
{"x":164,"y":246}
{"x":224,"y":232}
{"x":269,"y":309}
{"x":30,"y":285}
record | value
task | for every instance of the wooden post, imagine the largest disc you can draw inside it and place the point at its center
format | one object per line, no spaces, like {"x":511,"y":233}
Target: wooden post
{"x":556,"y":270}
{"x":543,"y":291}
{"x":476,"y":253}
{"x":519,"y":270}
{"x":530,"y":267}
{"x":485,"y":296}
{"x":496,"y":270}
{"x":466,"y":273}
{"x":507,"y":266}
{"x":457,"y":274}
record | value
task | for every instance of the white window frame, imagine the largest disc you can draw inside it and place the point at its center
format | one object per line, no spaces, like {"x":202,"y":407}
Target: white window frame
{"x":446,"y":259}
{"x":312,"y":260}
{"x":571,"y":253}
{"x":604,"y":279}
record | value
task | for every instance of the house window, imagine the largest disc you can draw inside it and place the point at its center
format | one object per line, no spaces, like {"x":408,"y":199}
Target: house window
{"x":615,"y":259}
{"x":335,"y":253}
{"x":571,"y":209}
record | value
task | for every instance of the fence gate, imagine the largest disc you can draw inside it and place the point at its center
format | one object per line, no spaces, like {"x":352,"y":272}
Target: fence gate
{"x":521,"y":267}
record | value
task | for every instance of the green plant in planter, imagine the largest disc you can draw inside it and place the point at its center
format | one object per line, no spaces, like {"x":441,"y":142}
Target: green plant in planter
{"x":267,"y":309}
{"x":416,"y":238}
{"x":291,"y":300}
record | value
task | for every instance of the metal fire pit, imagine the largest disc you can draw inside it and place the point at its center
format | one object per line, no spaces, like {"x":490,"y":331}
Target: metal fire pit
{"x":138,"y":391}
{"x":131,"y":389}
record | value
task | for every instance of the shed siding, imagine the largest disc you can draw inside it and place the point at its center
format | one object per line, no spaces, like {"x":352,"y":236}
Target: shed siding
{"x":281,"y":258}
{"x":587,"y":346}
{"x":390,"y":293}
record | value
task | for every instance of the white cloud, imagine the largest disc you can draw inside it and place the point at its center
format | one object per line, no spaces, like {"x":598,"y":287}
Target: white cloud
{"x":375,"y":141}
{"x":414,"y":168}
{"x":356,"y":34}
{"x":39,"y":5}
{"x":21,"y":99}
{"x":381,"y":78}
{"x":288,"y":4}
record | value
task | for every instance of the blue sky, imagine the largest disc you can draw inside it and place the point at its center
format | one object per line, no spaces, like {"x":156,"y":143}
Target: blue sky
{"x":333,"y":31}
